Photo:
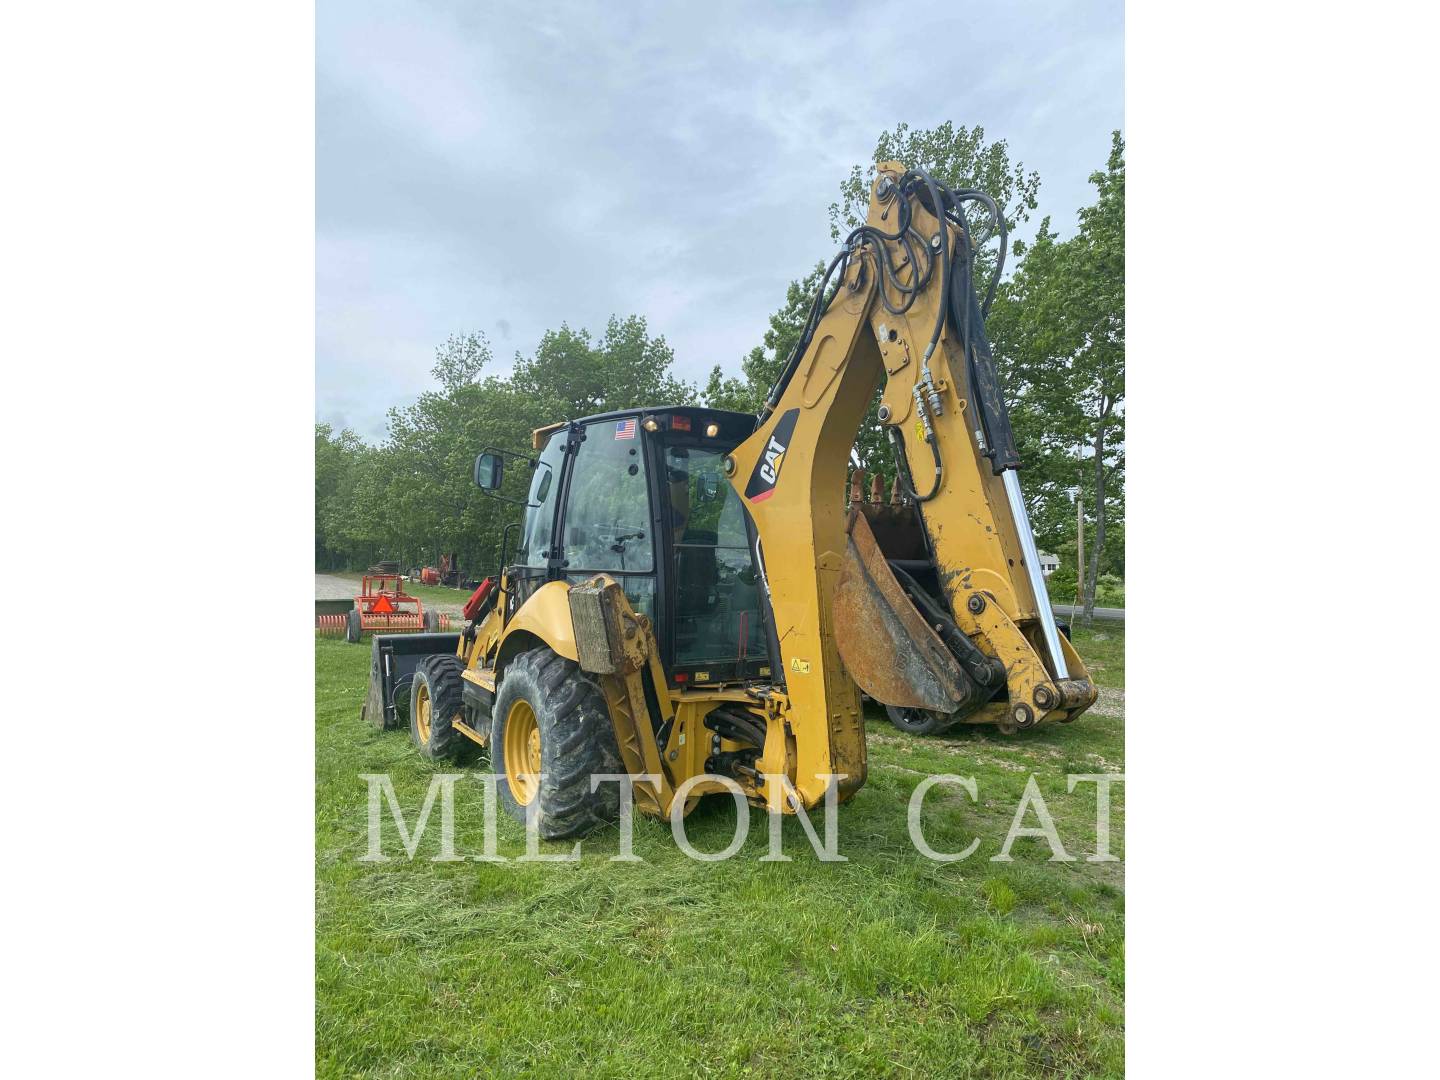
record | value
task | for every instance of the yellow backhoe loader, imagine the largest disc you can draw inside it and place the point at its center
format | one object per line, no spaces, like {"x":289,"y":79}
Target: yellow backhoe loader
{"x":693,"y":597}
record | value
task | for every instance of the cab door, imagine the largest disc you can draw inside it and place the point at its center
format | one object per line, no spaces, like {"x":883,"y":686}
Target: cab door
{"x":717,"y":629}
{"x":608,"y":524}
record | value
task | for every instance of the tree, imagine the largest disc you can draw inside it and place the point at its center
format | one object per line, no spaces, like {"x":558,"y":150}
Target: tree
{"x":460,"y":360}
{"x":412,"y":497}
{"x":578,"y":377}
{"x":342,"y":461}
{"x":723,"y":391}
{"x":1059,"y":329}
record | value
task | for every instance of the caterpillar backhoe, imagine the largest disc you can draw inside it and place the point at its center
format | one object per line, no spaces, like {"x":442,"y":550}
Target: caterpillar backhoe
{"x":692,"y":599}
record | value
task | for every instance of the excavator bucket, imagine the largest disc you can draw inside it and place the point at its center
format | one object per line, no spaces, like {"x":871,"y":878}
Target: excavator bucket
{"x":889,"y":649}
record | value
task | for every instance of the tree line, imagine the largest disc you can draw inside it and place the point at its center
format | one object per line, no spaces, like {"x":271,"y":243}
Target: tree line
{"x":1057,"y":329}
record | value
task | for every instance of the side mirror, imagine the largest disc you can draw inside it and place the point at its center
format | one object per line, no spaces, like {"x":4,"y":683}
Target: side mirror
{"x":489,"y":471}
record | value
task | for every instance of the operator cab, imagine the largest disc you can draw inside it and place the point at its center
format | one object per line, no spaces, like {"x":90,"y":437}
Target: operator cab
{"x":642,"y":495}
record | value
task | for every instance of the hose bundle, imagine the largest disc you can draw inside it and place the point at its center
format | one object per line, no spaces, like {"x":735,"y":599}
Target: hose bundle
{"x":962,"y":306}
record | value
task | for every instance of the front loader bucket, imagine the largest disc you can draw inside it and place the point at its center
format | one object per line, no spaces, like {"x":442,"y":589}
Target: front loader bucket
{"x":393,"y":660}
{"x":889,"y":649}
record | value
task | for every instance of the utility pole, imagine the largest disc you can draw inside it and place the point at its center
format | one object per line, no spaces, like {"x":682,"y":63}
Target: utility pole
{"x":1080,"y":554}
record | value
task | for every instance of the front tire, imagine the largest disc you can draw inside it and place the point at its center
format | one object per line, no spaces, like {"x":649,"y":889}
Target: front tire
{"x":550,"y":732}
{"x":917,"y":721}
{"x":436,"y":699}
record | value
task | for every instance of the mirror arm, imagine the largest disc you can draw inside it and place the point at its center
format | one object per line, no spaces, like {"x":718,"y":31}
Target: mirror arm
{"x":511,"y":454}
{"x":506,"y":499}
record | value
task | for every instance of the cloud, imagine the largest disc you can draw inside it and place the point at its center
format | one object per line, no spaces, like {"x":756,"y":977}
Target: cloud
{"x":495,"y":165}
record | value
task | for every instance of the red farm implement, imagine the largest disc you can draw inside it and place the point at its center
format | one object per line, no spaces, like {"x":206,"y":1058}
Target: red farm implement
{"x":383,"y":607}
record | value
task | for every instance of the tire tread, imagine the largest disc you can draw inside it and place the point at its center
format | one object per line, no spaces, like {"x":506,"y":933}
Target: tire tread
{"x":447,"y":698}
{"x":576,"y":739}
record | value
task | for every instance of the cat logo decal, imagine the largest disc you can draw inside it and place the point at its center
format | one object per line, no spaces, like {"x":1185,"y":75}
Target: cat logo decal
{"x":767,"y":470}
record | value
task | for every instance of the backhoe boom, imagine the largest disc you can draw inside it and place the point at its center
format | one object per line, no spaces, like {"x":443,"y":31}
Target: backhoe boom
{"x":903,"y":315}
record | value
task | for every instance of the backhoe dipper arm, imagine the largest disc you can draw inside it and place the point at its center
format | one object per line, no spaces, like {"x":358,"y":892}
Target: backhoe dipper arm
{"x":898,"y":305}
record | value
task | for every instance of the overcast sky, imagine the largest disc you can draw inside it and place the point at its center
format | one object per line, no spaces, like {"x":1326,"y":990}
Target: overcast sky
{"x":506,"y":167}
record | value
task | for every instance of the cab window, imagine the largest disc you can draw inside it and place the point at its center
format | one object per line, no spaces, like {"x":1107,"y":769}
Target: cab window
{"x":607,"y":521}
{"x":717,"y":595}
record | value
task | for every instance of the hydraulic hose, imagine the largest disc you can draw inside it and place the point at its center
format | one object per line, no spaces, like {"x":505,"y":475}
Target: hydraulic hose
{"x":902,"y":467}
{"x":938,"y":208}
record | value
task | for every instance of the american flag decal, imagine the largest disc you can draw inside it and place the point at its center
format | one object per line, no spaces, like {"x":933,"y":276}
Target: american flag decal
{"x":625,"y":429}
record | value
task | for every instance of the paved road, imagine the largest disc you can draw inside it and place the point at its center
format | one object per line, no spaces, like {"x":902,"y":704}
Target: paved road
{"x":1102,"y":614}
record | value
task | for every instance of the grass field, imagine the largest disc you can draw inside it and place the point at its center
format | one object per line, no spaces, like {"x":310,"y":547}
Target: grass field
{"x":886,"y":965}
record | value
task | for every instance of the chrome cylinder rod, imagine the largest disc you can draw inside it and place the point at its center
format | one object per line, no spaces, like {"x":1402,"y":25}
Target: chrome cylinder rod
{"x":1037,"y":575}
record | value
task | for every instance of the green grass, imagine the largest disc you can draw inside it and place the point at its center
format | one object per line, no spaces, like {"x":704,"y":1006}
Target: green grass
{"x":1103,"y":650}
{"x":886,"y":965}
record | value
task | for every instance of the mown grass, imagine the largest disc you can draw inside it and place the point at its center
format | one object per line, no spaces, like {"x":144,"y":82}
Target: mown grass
{"x":886,"y":965}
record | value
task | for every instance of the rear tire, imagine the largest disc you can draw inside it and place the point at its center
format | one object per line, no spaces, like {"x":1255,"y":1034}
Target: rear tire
{"x":436,"y":698}
{"x":917,"y":721}
{"x":554,"y":715}
{"x":352,"y":626}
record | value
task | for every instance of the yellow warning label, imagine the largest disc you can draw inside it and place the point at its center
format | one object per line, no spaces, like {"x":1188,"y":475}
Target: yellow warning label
{"x":765,"y":670}
{"x":802,"y":666}
{"x":702,"y":676}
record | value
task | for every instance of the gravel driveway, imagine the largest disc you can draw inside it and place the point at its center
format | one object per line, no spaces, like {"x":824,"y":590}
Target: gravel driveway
{"x":330,"y":587}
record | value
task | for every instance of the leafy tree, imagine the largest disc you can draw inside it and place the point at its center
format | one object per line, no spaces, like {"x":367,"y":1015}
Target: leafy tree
{"x":1059,"y":330}
{"x":460,"y":360}
{"x":723,"y":391}
{"x":576,"y":376}
{"x":341,"y":462}
{"x":412,"y":498}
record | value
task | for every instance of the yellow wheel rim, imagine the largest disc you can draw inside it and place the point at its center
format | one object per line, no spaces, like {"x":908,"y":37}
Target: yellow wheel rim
{"x":422,"y":713}
{"x":522,"y":752}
